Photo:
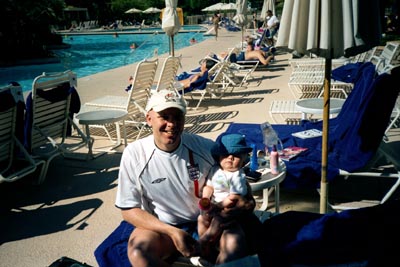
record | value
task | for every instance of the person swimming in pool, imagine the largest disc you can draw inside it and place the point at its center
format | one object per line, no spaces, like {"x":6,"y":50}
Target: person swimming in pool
{"x":133,"y":46}
{"x":193,"y":41}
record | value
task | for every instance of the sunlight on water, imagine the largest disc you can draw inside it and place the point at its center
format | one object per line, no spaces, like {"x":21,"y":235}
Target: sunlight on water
{"x":91,"y":54}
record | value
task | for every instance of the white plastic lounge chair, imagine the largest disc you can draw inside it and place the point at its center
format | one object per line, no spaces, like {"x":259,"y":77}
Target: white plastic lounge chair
{"x":51,"y":105}
{"x":394,"y":118}
{"x":15,"y":161}
{"x":388,"y":59}
{"x":168,"y":73}
{"x":318,"y":63}
{"x":134,"y":102}
{"x":215,"y":86}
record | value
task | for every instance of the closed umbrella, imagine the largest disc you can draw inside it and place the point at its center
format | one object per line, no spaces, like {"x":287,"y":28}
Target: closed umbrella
{"x":170,"y":22}
{"x":240,"y":17}
{"x":268,"y":5}
{"x":330,"y":29}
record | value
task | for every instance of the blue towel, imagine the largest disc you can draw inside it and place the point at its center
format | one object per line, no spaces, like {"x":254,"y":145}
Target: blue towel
{"x":348,"y":73}
{"x":354,"y":135}
{"x":240,"y":57}
{"x":113,"y":251}
{"x":199,"y":84}
{"x":362,"y":235}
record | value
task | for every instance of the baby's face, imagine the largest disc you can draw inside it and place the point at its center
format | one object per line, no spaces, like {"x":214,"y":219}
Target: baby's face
{"x":232,"y":163}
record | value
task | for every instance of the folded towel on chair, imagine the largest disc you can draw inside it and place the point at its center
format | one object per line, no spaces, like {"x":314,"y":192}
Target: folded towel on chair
{"x":54,"y":95}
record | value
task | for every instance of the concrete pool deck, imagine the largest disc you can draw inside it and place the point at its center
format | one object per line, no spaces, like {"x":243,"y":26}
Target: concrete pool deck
{"x":73,"y":211}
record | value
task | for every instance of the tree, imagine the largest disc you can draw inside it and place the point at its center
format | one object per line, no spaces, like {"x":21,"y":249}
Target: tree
{"x":29,"y":28}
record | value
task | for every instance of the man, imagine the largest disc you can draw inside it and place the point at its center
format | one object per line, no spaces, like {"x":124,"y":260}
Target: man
{"x":159,"y":185}
{"x":272,"y":26}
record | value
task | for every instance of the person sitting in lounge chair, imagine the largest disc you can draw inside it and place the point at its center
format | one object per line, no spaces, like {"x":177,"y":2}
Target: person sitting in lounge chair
{"x":260,"y":55}
{"x":198,"y":79}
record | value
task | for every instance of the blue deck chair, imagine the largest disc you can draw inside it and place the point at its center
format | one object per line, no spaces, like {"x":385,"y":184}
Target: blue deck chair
{"x":354,"y":135}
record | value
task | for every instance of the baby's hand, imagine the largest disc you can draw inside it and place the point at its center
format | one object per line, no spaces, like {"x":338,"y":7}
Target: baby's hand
{"x":230,"y":201}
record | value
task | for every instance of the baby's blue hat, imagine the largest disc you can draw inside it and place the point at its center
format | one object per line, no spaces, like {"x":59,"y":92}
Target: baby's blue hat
{"x":230,"y":144}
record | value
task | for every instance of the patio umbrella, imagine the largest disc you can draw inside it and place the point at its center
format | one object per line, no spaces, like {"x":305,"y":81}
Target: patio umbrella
{"x":152,"y":10}
{"x":268,"y":5}
{"x":170,"y":22}
{"x":330,"y":29}
{"x":215,"y":7}
{"x":133,"y":10}
{"x":240,"y":17}
{"x":229,"y":6}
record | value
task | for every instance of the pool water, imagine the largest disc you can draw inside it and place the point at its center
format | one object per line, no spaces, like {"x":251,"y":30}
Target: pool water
{"x":91,"y":54}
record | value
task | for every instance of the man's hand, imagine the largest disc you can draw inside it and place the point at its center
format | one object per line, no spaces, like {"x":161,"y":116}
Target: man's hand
{"x":184,"y":243}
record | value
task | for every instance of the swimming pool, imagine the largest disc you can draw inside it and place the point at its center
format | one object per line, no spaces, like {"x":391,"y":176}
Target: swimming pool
{"x":90,"y":54}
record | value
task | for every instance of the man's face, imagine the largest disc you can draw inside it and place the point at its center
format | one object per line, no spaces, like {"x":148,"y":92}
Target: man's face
{"x":167,"y":127}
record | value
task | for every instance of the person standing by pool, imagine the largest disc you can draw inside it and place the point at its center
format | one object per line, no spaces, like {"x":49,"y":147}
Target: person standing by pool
{"x":215,"y":21}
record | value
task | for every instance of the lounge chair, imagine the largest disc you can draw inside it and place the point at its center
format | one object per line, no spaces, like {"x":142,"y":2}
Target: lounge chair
{"x":134,"y":102}
{"x":236,"y":75}
{"x":15,"y":161}
{"x":168,"y":73}
{"x":354,"y":135}
{"x":388,"y":58}
{"x":394,"y":118}
{"x":49,"y":118}
{"x":212,"y":83}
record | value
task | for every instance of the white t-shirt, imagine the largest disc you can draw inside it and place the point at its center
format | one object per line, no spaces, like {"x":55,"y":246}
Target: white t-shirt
{"x":271,"y":21}
{"x":168,"y":193}
{"x":225,"y":183}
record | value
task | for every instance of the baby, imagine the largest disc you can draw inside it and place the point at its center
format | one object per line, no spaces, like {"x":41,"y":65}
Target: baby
{"x":227,"y":180}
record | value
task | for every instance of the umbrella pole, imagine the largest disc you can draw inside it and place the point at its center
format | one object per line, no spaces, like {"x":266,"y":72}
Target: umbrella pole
{"x":323,"y":204}
{"x":241,"y":41}
{"x":172,"y":46}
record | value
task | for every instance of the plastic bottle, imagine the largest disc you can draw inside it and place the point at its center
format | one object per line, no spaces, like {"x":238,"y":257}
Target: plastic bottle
{"x":274,"y":160}
{"x":254,"y":158}
{"x":270,"y":137}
